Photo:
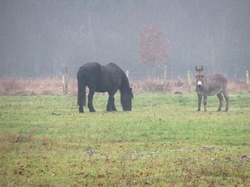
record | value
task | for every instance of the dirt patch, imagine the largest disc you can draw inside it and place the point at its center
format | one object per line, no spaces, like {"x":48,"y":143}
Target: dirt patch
{"x":15,"y":138}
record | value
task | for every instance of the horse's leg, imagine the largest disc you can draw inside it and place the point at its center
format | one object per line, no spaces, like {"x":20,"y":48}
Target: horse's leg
{"x":205,"y":103}
{"x":220,"y":97}
{"x":81,"y":109}
{"x":113,"y":106}
{"x":226,"y":98}
{"x":199,"y":102}
{"x":90,"y":99}
{"x":111,"y":101}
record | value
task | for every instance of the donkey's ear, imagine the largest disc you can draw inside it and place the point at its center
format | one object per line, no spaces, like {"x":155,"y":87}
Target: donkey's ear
{"x":201,"y":68}
{"x":196,"y":68}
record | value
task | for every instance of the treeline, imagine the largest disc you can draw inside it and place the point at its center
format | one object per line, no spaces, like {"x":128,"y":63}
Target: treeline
{"x":38,"y":38}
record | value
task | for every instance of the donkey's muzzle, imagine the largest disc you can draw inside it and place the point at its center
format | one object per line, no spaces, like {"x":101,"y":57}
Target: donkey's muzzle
{"x":199,"y":83}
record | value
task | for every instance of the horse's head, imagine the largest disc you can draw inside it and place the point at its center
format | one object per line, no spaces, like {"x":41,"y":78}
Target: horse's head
{"x":199,"y":76}
{"x":126,"y":99}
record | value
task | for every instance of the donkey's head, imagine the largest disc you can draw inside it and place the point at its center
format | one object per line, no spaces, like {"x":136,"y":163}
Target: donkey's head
{"x":199,"y":76}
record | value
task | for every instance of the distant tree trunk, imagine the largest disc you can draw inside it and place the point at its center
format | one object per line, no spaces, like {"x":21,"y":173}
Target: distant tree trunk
{"x":93,"y":54}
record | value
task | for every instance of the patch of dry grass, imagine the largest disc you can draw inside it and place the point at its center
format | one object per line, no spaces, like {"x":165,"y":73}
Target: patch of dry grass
{"x":55,"y":87}
{"x":35,"y":87}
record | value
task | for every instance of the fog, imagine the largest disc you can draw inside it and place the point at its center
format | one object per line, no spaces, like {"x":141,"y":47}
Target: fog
{"x":38,"y":38}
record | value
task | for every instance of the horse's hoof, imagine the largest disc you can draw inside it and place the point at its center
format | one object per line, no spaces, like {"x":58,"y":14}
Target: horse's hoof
{"x":80,"y":109}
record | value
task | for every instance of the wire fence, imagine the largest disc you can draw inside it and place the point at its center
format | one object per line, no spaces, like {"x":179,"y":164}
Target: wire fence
{"x":176,"y":75}
{"x":139,"y":80}
{"x":180,"y":82}
{"x":141,"y":76}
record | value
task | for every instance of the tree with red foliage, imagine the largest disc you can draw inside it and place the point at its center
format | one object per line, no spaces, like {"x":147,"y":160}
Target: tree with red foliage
{"x":153,"y":47}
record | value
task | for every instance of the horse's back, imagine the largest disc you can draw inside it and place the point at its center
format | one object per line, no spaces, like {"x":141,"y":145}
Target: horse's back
{"x":113,"y":65}
{"x":112,"y":71}
{"x":110,"y":76}
{"x":113,"y":68}
{"x":89,"y":72}
{"x":118,"y":74}
{"x":89,"y":67}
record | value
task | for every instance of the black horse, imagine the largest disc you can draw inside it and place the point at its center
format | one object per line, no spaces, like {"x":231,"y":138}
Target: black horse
{"x":99,"y":78}
{"x":211,"y":85}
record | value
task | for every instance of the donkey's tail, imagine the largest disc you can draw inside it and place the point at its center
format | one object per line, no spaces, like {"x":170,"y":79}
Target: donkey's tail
{"x":224,"y":79}
{"x":81,"y":99}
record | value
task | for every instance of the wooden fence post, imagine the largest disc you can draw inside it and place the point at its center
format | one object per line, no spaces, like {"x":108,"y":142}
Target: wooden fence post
{"x":127,"y":73}
{"x":165,"y":78}
{"x":247,"y":81}
{"x":189,"y":81}
{"x":65,"y":81}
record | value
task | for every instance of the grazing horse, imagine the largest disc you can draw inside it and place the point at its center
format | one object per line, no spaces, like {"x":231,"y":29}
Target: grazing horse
{"x":211,"y":85}
{"x":99,"y":78}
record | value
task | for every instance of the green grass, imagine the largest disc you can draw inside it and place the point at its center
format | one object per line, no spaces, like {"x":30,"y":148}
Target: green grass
{"x":163,"y":141}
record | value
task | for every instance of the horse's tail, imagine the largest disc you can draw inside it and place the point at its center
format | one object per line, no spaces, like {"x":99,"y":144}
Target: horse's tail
{"x":81,"y":99}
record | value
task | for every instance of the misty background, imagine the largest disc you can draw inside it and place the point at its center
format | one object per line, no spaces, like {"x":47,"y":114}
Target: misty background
{"x":38,"y":38}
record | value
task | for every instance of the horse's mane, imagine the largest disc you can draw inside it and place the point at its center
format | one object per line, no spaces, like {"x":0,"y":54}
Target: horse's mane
{"x":125,"y":81}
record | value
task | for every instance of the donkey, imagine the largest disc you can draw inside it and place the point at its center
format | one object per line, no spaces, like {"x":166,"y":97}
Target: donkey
{"x":211,"y":85}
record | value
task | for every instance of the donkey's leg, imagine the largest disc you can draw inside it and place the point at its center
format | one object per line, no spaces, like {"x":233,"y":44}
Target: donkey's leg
{"x":205,"y":103}
{"x":90,"y":99}
{"x":226,"y":98}
{"x":199,"y":102}
{"x":220,"y":97}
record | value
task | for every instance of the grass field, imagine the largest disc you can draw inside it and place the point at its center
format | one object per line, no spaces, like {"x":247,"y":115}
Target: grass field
{"x":163,"y":141}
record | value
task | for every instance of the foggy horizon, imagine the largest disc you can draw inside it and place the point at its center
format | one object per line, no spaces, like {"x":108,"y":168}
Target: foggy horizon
{"x":38,"y":38}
